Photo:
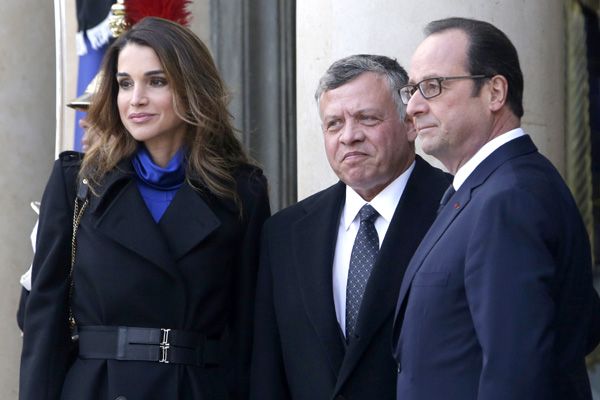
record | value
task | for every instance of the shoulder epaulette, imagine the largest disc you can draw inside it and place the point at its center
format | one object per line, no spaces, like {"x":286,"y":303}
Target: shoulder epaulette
{"x":70,"y":157}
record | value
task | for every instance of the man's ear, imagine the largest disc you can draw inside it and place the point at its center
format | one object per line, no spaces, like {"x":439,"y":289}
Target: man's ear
{"x":498,"y":87}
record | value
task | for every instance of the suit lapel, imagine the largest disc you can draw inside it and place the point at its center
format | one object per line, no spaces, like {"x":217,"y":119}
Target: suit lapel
{"x":414,"y":213}
{"x":457,"y":203}
{"x":443,"y":220}
{"x":314,"y":239}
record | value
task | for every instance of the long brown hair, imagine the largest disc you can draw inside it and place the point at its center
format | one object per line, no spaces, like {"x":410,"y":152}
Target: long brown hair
{"x":200,"y":99}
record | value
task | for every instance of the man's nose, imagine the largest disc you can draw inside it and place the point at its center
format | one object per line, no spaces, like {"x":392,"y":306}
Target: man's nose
{"x":351,"y":132}
{"x":417,"y":104}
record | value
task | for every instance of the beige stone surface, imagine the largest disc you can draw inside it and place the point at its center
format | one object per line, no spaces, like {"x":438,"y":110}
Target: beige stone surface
{"x":26,"y":153}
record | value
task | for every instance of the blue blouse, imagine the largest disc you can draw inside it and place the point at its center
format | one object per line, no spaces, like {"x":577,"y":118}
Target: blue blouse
{"x":158,"y":185}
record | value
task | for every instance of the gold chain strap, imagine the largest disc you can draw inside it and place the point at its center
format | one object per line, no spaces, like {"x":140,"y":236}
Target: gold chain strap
{"x":77,"y":214}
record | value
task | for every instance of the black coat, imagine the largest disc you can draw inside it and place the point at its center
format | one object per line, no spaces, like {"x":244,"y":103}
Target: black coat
{"x":299,"y":349}
{"x":194,"y":270}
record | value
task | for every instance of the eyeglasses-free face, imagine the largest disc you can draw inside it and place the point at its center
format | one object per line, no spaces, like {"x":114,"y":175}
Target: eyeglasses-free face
{"x":366,"y":141}
{"x":145,"y":101}
{"x":431,"y":87}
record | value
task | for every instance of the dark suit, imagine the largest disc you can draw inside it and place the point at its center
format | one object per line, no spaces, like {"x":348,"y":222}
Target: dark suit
{"x":299,"y":349}
{"x":194,"y":270}
{"x":497,"y":301}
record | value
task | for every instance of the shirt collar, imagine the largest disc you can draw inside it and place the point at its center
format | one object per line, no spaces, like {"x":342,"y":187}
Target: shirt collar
{"x":384,"y":203}
{"x":467,"y":169}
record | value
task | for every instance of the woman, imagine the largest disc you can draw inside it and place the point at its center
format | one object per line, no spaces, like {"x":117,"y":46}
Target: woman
{"x":166,"y":252}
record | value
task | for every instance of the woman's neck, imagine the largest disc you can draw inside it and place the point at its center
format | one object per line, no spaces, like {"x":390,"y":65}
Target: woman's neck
{"x":163,"y":152}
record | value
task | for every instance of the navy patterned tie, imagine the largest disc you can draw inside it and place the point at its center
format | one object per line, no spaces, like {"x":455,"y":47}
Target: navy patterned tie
{"x":364,"y":253}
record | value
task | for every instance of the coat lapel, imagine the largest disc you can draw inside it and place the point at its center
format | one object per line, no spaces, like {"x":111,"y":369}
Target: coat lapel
{"x":187,"y":221}
{"x":122,"y":215}
{"x":314,"y":239}
{"x":125,"y":219}
{"x":457,"y":203}
{"x":414,"y":213}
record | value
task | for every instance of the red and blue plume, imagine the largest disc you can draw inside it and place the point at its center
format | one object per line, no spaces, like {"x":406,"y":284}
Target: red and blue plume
{"x":174,"y":10}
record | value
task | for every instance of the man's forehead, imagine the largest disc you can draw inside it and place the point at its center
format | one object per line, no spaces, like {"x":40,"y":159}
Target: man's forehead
{"x":439,"y":54}
{"x":364,"y":89}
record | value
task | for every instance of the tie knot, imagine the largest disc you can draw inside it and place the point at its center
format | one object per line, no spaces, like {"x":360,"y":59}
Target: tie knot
{"x":367,"y":213}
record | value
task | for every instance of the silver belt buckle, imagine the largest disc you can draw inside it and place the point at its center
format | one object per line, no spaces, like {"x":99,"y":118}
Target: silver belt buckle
{"x":164,"y":345}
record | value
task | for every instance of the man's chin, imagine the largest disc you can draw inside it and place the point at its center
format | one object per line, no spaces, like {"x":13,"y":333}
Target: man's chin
{"x":428,"y":145}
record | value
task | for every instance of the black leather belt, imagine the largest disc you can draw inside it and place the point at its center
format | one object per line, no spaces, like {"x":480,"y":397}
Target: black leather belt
{"x":148,"y":344}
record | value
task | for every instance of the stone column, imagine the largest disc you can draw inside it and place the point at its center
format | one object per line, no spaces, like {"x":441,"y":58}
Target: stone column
{"x":27,"y":124}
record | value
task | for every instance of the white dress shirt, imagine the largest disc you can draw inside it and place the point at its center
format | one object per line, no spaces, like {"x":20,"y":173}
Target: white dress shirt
{"x":463,"y":172}
{"x":385,"y":204}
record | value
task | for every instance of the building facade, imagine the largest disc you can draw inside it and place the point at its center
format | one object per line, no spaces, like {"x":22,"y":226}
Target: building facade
{"x":272,"y":53}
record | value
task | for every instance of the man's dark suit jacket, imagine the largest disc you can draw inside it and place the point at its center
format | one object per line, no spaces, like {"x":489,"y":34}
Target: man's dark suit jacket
{"x":497,"y":302}
{"x":299,"y":349}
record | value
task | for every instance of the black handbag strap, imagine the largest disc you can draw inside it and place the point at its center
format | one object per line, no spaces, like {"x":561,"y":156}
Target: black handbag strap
{"x":81,"y":203}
